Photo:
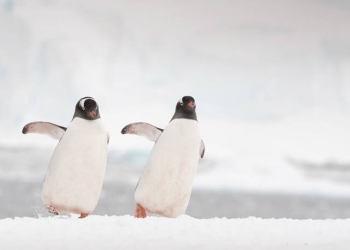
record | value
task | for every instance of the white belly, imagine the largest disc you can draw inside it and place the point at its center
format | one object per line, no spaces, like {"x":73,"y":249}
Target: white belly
{"x":75,"y":175}
{"x":166,"y":182}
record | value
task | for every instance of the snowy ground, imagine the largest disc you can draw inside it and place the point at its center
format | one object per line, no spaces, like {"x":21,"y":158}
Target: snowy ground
{"x":125,"y":232}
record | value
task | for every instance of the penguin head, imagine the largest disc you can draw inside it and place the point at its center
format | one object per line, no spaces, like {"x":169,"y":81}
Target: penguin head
{"x":87,"y":108}
{"x":186,"y":105}
{"x":185,"y":108}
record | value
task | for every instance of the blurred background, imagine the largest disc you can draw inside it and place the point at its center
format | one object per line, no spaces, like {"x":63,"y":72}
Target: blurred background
{"x":271,"y":81}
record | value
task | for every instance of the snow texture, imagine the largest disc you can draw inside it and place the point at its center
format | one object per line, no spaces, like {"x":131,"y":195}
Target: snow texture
{"x":125,"y":232}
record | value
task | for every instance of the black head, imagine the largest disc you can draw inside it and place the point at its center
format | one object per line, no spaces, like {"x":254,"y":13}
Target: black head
{"x":185,"y":108}
{"x":87,"y":108}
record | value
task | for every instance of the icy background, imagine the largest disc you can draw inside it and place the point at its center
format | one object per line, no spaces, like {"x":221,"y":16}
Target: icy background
{"x":271,"y":80}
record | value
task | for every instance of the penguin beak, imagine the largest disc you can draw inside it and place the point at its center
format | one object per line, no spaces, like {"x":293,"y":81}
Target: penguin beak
{"x":92,"y":114}
{"x":191,"y":105}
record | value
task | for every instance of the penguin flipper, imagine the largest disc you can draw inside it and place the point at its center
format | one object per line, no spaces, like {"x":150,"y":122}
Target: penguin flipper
{"x":146,"y":130}
{"x":45,"y":128}
{"x":202,"y":149}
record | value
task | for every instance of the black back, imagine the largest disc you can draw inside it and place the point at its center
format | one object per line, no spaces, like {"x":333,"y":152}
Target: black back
{"x":87,"y":108}
{"x":185,"y":109}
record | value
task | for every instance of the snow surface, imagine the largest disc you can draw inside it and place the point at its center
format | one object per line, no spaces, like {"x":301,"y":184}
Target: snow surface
{"x":125,"y":232}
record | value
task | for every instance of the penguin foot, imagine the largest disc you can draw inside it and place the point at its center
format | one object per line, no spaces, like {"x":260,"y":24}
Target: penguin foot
{"x":140,"y":212}
{"x":51,"y":210}
{"x":83,"y":215}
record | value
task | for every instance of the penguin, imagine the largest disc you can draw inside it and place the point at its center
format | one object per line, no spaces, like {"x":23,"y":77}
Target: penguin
{"x":74,"y":178}
{"x":165,"y":185}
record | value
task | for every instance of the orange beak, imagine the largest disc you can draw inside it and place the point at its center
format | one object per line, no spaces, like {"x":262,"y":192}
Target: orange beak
{"x":91,"y":114}
{"x":190,"y":105}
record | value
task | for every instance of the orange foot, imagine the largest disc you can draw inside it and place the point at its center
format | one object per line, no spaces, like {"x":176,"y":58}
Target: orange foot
{"x":140,"y":212}
{"x":82,"y":216}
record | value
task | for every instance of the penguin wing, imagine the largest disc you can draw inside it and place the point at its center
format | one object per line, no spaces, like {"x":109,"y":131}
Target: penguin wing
{"x":45,"y":128}
{"x":202,"y":149}
{"x":144,"y":129}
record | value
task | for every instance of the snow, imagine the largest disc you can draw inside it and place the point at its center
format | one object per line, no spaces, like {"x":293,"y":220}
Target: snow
{"x":125,"y":232}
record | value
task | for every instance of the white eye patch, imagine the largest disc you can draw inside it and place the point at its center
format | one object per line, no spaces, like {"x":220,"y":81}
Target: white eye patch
{"x":82,"y":101}
{"x":181,"y":102}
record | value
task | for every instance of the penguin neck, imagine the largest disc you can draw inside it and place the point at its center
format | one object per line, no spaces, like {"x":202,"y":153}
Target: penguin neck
{"x":182,"y":115}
